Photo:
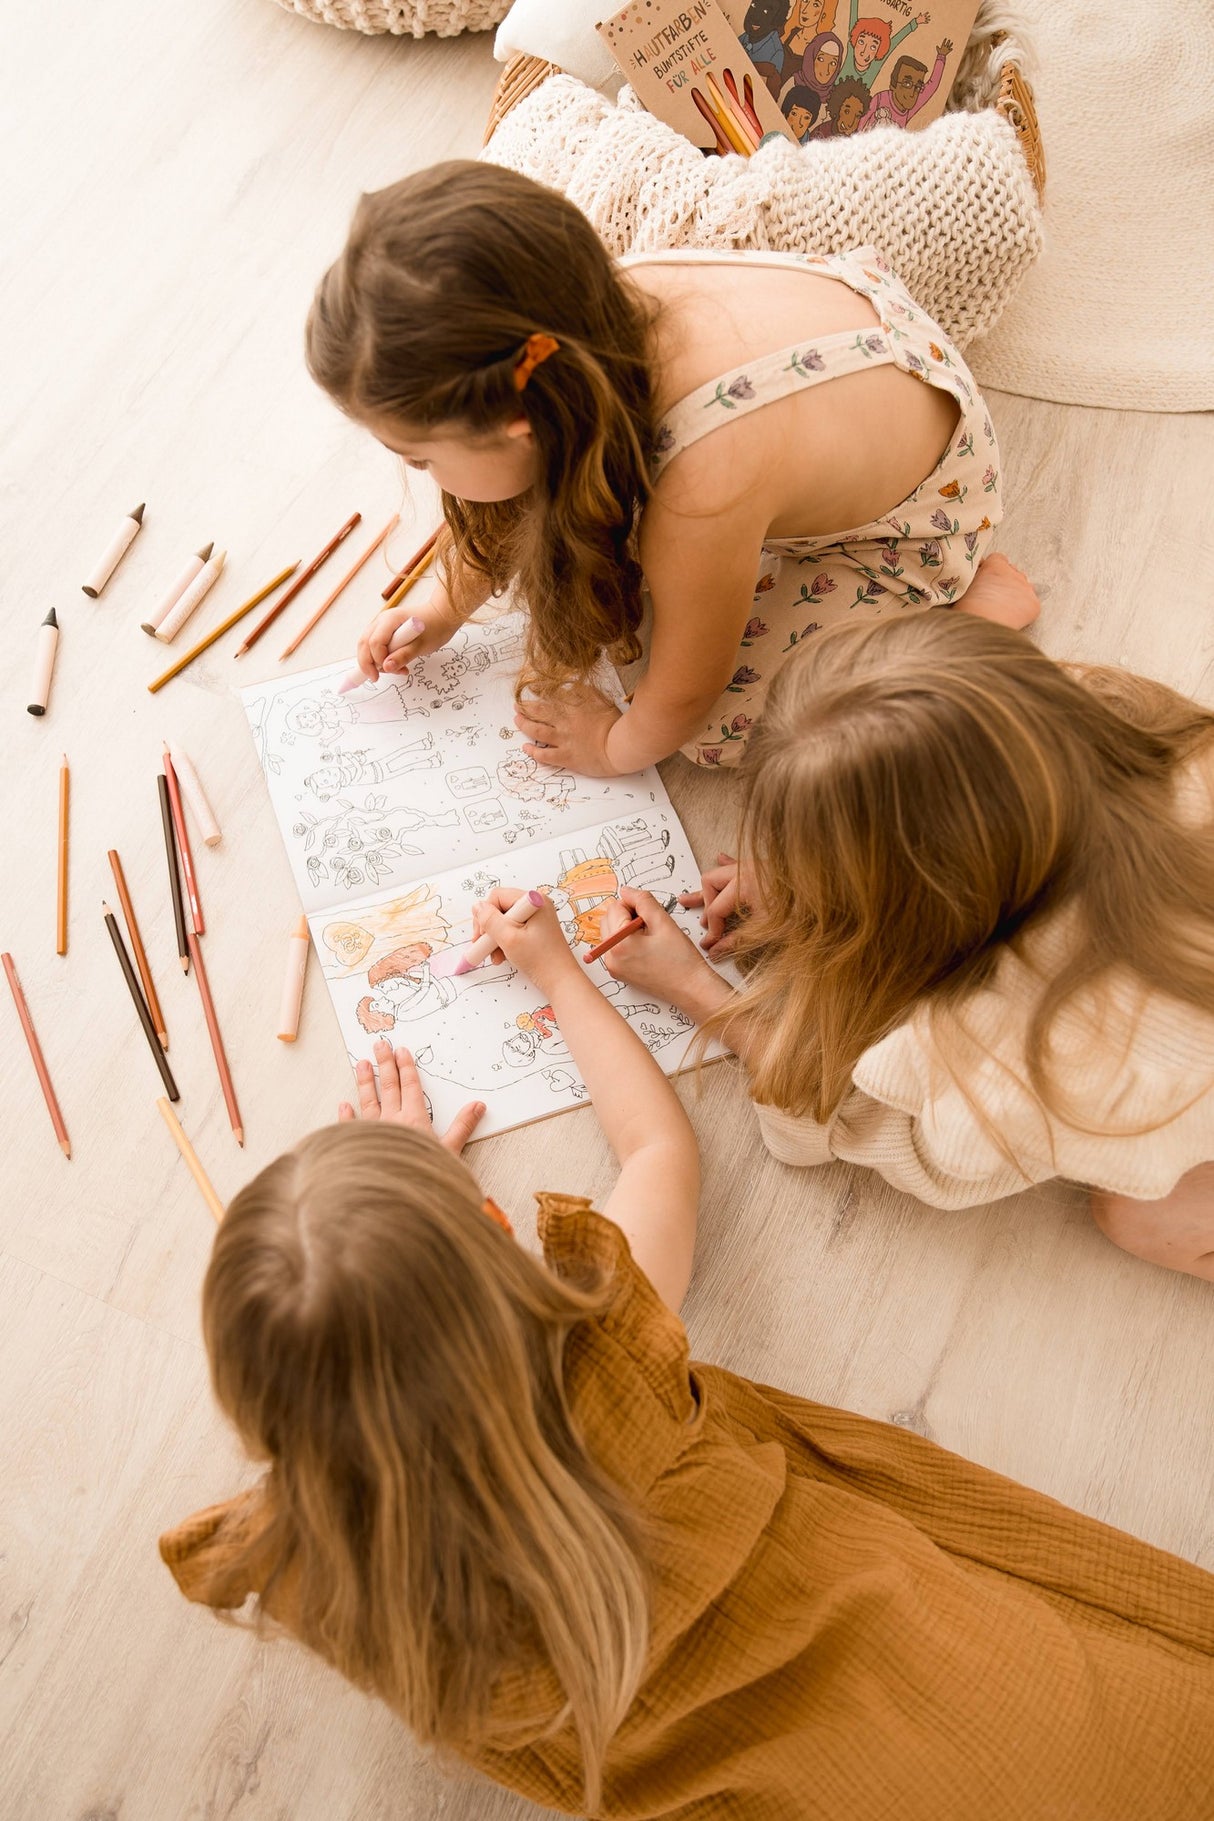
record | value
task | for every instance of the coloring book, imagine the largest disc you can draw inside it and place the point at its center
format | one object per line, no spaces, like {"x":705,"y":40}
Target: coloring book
{"x":402,"y":803}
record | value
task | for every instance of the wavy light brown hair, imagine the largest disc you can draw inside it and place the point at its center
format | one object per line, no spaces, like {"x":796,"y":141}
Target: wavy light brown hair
{"x":922,"y":790}
{"x":444,"y":277}
{"x":397,"y":1359}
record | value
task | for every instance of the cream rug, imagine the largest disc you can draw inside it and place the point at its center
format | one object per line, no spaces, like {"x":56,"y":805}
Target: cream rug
{"x":1119,"y":310}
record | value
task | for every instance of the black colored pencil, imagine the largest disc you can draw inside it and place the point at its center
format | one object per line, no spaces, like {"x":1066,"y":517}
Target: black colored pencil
{"x":170,"y":849}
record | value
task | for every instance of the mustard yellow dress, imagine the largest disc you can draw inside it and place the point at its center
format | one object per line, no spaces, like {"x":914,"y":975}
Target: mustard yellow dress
{"x":849,"y":1623}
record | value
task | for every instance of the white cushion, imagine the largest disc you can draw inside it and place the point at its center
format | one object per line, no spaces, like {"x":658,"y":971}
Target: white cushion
{"x":561,"y":32}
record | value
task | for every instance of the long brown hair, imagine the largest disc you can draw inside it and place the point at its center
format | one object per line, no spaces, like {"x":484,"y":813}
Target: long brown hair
{"x":922,"y":791}
{"x":397,"y":1359}
{"x":444,"y":277}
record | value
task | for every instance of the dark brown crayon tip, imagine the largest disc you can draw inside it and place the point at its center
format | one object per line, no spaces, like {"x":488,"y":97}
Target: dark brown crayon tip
{"x":137,"y":514}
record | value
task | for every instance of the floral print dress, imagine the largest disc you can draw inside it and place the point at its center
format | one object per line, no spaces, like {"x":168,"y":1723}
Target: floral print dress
{"x":923,"y":553}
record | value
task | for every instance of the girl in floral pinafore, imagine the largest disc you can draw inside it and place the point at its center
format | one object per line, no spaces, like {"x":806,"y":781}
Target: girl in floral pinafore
{"x":922,"y":554}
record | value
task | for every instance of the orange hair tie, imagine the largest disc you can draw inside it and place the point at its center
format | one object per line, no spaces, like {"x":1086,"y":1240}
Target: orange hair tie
{"x":536,"y":348}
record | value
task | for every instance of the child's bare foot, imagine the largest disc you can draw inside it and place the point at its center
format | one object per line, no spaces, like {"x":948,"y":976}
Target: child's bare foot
{"x":1001,"y":592}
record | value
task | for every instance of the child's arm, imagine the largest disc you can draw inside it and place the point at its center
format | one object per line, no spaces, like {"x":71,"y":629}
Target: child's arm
{"x":656,"y":1195}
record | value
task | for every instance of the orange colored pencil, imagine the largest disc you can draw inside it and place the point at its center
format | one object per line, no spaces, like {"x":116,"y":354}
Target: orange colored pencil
{"x":346,"y":579}
{"x":183,"y":844}
{"x":217,"y":632}
{"x":208,"y":1012}
{"x":412,"y":578}
{"x":610,"y":942}
{"x":35,"y":1049}
{"x":141,"y":960}
{"x":416,"y":558}
{"x":61,"y":887}
{"x":299,"y":582}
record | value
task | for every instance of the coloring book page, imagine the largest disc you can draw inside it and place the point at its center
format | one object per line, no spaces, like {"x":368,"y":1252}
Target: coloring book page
{"x":404,"y":802}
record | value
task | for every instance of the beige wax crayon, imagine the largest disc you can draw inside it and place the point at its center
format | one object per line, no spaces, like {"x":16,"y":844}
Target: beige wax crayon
{"x":114,"y":552}
{"x":44,"y":663}
{"x":179,"y":587}
{"x":292,"y":986}
{"x":195,"y":795}
{"x":177,"y":616}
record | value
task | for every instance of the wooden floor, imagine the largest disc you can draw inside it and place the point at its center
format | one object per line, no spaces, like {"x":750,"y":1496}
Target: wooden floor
{"x":178,"y":178}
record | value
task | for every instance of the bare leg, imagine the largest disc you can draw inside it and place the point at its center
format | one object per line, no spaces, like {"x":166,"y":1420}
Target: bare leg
{"x":999,"y":591}
{"x":1177,"y":1231}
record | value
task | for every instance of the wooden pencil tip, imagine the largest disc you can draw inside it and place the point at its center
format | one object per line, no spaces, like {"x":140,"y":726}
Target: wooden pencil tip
{"x":164,"y":1039}
{"x":185,"y":963}
{"x":106,"y":911}
{"x":239,"y":1132}
{"x":66,"y":1148}
{"x":138,"y":513}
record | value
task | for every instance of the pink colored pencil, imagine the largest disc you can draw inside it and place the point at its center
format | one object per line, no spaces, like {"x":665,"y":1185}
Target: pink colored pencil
{"x":39,"y":1060}
{"x":216,"y":1036}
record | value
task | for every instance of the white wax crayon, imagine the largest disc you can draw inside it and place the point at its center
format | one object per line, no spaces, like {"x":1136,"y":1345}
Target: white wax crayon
{"x":44,"y":663}
{"x":195,"y":795}
{"x":179,"y":587}
{"x":411,"y":629}
{"x":293,"y":982}
{"x":114,"y":552}
{"x":206,"y":578}
{"x":479,"y":952}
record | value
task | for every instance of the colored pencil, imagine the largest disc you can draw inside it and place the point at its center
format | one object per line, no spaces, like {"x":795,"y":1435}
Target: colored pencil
{"x":748,"y":105}
{"x":730,"y":119}
{"x":221,"y":1061}
{"x":412,"y":579}
{"x":183,"y":845}
{"x":141,"y":960}
{"x":140,"y":1004}
{"x":609,"y":942}
{"x":114,"y":551}
{"x":741,"y":112}
{"x":170,"y":849}
{"x":478,"y":952}
{"x":724,"y":147}
{"x":345,"y":581}
{"x":166,"y":676}
{"x":39,"y":1060}
{"x":61,"y":890}
{"x":300,"y":582}
{"x":416,"y":558}
{"x":192,"y":1164}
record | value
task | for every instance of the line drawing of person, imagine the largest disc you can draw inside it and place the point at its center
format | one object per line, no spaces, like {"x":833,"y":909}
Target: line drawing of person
{"x":869,"y":44}
{"x":521,"y":776}
{"x":346,"y":769}
{"x":328,"y":716}
{"x":845,"y":109}
{"x":909,"y":91}
{"x":801,"y":107}
{"x":821,"y":64}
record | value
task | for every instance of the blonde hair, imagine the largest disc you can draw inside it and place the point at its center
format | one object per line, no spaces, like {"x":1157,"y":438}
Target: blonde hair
{"x":397,"y":1359}
{"x":423,"y":319}
{"x":921,"y":791}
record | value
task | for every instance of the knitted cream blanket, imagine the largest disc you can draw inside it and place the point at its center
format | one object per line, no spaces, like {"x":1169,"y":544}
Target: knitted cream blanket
{"x":406,"y":18}
{"x":952,"y":207}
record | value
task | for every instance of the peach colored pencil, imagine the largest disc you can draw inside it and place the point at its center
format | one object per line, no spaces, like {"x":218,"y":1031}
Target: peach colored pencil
{"x":345,"y":581}
{"x":416,"y":558}
{"x":39,"y":1060}
{"x":412,"y":579}
{"x":183,"y":844}
{"x":191,"y":1159}
{"x":141,"y":960}
{"x":300,"y":582}
{"x":61,"y":891}
{"x":166,"y":676}
{"x":208,"y":1012}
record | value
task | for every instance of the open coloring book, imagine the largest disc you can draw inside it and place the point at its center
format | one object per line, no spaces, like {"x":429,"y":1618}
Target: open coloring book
{"x":402,"y":803}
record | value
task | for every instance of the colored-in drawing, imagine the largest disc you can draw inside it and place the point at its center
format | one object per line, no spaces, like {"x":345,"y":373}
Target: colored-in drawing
{"x":359,"y":939}
{"x":472,"y":781}
{"x":403,"y":989}
{"x":343,"y":770}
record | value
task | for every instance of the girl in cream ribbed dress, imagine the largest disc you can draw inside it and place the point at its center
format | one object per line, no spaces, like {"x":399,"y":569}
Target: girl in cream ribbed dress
{"x":980,"y":940}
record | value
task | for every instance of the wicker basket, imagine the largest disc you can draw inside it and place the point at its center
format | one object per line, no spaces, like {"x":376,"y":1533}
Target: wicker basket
{"x":522,"y":75}
{"x":404,"y":18}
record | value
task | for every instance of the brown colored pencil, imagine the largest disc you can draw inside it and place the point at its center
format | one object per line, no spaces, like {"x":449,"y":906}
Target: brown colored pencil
{"x":61,"y":890}
{"x":170,"y":849}
{"x":145,"y":1017}
{"x":345,"y":581}
{"x":191,"y":1158}
{"x":35,"y":1049}
{"x":183,"y":845}
{"x":300,"y":581}
{"x":411,"y":580}
{"x":166,"y":676}
{"x":221,"y":1061}
{"x":141,"y":960}
{"x":418,"y":554}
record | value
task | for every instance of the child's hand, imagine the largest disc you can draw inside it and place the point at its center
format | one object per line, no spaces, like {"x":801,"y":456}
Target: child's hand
{"x":373,"y":654}
{"x":570,"y":730}
{"x":400,"y":1101}
{"x":538,"y":948}
{"x":720,"y":898}
{"x":659,"y":959}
